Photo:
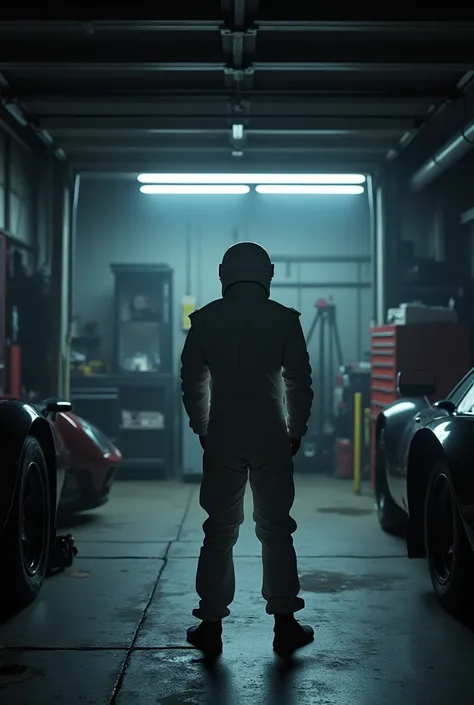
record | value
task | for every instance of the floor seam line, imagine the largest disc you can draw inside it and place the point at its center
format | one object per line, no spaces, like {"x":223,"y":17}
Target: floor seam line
{"x":123,"y":668}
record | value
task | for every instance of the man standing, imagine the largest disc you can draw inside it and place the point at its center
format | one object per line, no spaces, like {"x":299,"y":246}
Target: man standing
{"x":251,"y":351}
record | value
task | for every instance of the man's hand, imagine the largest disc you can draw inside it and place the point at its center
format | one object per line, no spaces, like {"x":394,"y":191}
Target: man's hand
{"x":202,"y":441}
{"x":295,"y":445}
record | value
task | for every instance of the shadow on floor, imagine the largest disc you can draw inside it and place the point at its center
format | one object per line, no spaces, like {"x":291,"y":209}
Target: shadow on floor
{"x":74,"y":521}
{"x":280,"y":682}
{"x":432,"y":604}
{"x":217,"y":679}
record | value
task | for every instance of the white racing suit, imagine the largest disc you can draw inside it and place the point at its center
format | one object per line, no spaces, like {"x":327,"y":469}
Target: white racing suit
{"x":244,"y":346}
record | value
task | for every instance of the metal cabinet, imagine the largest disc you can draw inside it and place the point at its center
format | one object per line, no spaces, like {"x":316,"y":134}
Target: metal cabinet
{"x":143,"y":318}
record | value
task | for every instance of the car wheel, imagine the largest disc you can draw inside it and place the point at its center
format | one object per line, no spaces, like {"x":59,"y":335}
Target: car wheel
{"x":449,"y":553}
{"x":392,"y":518}
{"x":26,"y":539}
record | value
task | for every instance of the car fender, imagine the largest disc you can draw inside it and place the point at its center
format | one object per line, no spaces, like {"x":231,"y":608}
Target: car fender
{"x":17,"y":421}
{"x":394,"y":421}
{"x":456,"y":437}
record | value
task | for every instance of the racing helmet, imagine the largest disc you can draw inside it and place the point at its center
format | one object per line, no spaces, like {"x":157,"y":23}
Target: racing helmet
{"x":246,"y":262}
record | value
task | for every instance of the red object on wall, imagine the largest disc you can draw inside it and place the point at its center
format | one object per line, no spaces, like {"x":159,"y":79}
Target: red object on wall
{"x":3,"y":294}
{"x":12,"y":379}
{"x":443,"y":348}
{"x":345,"y":458}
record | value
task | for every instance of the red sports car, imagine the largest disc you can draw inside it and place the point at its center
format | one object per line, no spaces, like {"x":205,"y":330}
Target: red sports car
{"x":31,"y":480}
{"x":50,"y":459}
{"x":91,"y":460}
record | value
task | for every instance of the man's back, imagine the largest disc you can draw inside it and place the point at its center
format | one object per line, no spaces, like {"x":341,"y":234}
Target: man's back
{"x":248,"y":341}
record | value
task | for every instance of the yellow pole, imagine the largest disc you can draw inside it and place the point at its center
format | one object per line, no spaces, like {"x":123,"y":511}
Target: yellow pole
{"x":357,"y":440}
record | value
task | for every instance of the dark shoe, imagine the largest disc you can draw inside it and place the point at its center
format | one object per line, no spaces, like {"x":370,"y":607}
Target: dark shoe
{"x":207,"y":637}
{"x":290,"y":635}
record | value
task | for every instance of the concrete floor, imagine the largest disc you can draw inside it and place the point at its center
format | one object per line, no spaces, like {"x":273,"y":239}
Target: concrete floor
{"x":112,"y":628}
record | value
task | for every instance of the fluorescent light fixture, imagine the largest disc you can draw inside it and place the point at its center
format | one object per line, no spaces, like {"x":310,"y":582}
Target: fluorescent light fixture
{"x":195,"y":189}
{"x":237,"y":132}
{"x":309,"y":190}
{"x":251,"y":179}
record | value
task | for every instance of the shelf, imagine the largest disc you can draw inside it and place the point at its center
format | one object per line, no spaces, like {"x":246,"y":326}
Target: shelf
{"x":141,"y":428}
{"x":142,"y":461}
{"x":427,"y":288}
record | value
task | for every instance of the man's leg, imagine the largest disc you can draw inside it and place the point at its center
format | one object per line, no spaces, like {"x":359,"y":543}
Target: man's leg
{"x":273,"y":495}
{"x":221,"y":496}
{"x":271,"y":480}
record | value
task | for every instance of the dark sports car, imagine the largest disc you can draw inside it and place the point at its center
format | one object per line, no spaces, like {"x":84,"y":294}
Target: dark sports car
{"x":425,"y":482}
{"x":31,"y":481}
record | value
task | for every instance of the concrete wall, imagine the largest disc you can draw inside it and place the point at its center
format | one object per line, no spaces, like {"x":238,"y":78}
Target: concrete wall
{"x":116,"y":223}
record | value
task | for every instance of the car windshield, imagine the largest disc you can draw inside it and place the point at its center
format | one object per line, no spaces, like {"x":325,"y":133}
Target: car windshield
{"x":461,"y":389}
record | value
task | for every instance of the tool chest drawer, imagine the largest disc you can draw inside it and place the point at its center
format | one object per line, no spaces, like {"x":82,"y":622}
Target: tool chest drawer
{"x":442,"y":348}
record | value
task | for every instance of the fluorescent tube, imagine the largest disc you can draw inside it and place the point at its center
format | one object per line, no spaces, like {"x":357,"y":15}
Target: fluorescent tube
{"x":195,"y":189}
{"x":285,"y":189}
{"x":251,"y":178}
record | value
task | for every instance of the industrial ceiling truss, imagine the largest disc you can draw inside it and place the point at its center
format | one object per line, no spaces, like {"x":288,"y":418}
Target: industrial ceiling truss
{"x":241,"y":90}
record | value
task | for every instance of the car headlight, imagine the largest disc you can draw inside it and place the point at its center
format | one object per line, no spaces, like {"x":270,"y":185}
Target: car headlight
{"x":97,"y":437}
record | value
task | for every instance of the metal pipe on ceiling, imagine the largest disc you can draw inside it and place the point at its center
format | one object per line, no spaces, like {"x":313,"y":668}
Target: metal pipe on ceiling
{"x":449,"y":154}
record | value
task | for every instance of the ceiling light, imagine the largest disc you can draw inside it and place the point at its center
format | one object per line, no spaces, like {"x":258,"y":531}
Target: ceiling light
{"x":195,"y":189}
{"x":237,"y":132}
{"x":282,"y":189}
{"x":251,"y":178}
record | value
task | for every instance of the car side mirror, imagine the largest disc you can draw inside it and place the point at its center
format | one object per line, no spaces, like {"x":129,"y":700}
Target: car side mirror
{"x":445,"y":404}
{"x":418,"y":383}
{"x":56,"y":406}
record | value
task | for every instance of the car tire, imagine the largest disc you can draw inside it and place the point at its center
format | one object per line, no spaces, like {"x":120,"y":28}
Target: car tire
{"x":449,"y":553}
{"x":26,"y":539}
{"x":392,"y":518}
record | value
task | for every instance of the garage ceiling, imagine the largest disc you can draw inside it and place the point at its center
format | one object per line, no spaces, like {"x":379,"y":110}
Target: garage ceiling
{"x":139,"y":95}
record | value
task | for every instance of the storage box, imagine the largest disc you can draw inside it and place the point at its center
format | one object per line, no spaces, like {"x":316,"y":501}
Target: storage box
{"x":412,"y":313}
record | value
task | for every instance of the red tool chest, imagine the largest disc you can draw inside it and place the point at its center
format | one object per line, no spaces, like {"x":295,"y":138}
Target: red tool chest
{"x":443,"y":348}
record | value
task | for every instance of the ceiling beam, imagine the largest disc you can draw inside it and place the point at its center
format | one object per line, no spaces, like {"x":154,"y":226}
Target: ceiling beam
{"x":63,"y":68}
{"x":328,"y":153}
{"x":371,"y":65}
{"x":181,"y":52}
{"x":454,"y":29}
{"x":62,"y":28}
{"x":160,"y":99}
{"x":254,"y":141}
{"x":62,"y":124}
{"x":152,"y":26}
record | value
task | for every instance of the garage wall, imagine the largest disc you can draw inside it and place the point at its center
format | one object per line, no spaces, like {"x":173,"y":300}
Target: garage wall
{"x":116,"y":223}
{"x":22,"y":193}
{"x":2,"y":180}
{"x":18,"y":192}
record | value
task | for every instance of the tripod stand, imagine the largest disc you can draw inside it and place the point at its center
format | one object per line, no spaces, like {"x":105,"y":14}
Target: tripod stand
{"x":329,"y":342}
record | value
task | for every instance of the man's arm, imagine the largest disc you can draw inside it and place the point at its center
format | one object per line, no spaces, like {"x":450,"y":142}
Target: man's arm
{"x":195,"y":379}
{"x":297,"y":377}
